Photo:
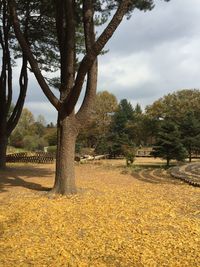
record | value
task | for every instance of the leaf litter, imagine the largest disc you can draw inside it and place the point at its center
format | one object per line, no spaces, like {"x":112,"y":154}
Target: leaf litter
{"x":114,"y":220}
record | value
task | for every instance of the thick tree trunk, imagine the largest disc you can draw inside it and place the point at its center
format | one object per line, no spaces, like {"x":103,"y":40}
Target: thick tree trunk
{"x":3,"y":148}
{"x":65,"y":171}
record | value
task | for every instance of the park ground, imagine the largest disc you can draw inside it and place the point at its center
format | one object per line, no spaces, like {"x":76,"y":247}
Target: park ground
{"x":116,"y":219}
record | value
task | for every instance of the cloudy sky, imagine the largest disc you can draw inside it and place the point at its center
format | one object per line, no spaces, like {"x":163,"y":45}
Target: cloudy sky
{"x":150,"y":55}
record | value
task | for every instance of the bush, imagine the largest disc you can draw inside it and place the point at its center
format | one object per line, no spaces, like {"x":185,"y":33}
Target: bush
{"x":52,"y":137}
{"x":30,"y":142}
{"x":129,"y":153}
{"x":33,"y":143}
{"x":16,"y":139}
{"x":52,"y":149}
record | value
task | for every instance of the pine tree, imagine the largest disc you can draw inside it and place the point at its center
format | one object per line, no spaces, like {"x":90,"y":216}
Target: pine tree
{"x":72,"y":79}
{"x":190,"y":133}
{"x":169,"y":145}
{"x":119,"y":136}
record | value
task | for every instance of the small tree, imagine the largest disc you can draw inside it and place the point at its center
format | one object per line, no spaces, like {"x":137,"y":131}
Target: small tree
{"x":129,"y":152}
{"x":169,"y":145}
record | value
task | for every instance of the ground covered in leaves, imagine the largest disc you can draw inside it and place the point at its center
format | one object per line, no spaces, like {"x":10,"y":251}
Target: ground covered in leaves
{"x":116,"y":219}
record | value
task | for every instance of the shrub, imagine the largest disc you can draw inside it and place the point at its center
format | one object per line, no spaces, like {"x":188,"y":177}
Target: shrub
{"x":52,"y":149}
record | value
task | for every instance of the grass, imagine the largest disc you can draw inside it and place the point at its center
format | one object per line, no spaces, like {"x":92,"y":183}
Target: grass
{"x":114,"y":220}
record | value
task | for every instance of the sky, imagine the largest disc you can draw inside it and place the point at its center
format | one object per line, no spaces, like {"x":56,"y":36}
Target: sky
{"x":150,"y":55}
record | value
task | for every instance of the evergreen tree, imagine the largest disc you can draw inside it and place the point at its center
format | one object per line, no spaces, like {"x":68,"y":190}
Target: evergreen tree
{"x":169,"y":145}
{"x":190,"y":133}
{"x":138,"y":109}
{"x":119,"y":136}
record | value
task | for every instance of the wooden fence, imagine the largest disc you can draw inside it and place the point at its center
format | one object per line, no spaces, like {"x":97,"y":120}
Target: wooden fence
{"x":32,"y":157}
{"x":46,"y":157}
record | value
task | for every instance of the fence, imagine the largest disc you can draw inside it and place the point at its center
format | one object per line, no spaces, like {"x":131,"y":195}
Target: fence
{"x":32,"y":157}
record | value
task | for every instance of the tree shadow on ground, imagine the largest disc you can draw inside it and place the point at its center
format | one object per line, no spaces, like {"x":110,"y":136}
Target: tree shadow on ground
{"x":17,"y":176}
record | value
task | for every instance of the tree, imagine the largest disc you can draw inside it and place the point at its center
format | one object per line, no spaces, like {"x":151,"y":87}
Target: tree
{"x":29,"y":133}
{"x":169,"y":145}
{"x":123,"y":115}
{"x":40,"y":126}
{"x":174,"y":106}
{"x":105,"y":105}
{"x":11,"y":52}
{"x":9,"y":113}
{"x":25,"y":135}
{"x":119,"y":137}
{"x":102,"y":110}
{"x":149,"y":127}
{"x":138,"y":109}
{"x":71,"y":80}
{"x":190,"y":133}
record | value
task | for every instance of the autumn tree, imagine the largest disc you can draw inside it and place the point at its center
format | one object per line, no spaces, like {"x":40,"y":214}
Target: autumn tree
{"x":97,"y":129}
{"x":68,"y":16}
{"x":29,"y":133}
{"x":174,"y":106}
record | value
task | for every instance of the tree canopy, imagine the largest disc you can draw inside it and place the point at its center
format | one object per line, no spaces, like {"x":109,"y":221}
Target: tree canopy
{"x":176,"y":105}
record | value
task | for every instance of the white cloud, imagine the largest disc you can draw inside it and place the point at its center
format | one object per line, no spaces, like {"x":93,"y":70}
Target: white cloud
{"x":152,"y":54}
{"x":126,"y":71}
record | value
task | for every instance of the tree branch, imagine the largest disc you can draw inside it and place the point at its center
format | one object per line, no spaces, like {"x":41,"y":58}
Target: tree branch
{"x":71,"y":100}
{"x":27,"y":51}
{"x":90,"y":92}
{"x":23,"y":81}
{"x":68,"y":49}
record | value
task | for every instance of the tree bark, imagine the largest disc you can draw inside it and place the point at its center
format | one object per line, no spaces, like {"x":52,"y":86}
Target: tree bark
{"x":3,"y":148}
{"x":65,"y":171}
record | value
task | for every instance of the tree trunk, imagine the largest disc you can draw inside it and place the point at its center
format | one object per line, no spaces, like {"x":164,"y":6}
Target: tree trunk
{"x":190,"y":155}
{"x":3,"y":148}
{"x":168,"y":162}
{"x":65,"y":171}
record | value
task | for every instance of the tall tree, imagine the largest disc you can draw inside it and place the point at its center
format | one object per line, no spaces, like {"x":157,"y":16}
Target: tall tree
{"x":120,"y":134}
{"x":11,"y":52}
{"x":190,"y":133}
{"x":9,"y":114}
{"x":71,"y":81}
